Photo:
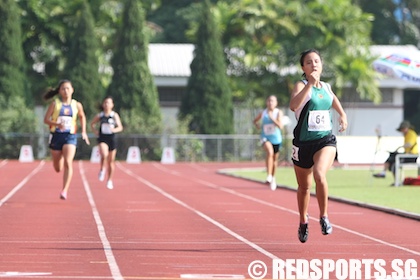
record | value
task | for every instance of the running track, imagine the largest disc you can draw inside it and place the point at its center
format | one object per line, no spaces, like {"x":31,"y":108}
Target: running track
{"x":179,"y":221}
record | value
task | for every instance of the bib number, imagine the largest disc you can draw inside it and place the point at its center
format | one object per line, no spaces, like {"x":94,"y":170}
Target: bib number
{"x":269,"y":129}
{"x":106,"y":128}
{"x":295,"y":153}
{"x":319,"y":120}
{"x":65,"y":122}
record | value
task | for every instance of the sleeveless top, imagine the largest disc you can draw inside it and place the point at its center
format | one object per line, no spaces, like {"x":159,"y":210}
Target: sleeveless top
{"x":66,"y":114}
{"x":269,"y":130}
{"x":314,"y":116}
{"x":106,"y":123}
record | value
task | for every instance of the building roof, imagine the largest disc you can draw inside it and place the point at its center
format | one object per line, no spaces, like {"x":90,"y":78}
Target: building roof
{"x":385,"y":50}
{"x":170,"y":60}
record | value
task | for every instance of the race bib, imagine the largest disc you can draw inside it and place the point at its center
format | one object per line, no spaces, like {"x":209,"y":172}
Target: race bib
{"x":269,"y":129}
{"x":319,"y":120}
{"x":106,"y":128}
{"x":65,"y":122}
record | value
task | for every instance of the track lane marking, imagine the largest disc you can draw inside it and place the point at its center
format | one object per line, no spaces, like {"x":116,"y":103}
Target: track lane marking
{"x":3,"y":162}
{"x":230,"y":191}
{"x":22,"y":183}
{"x":112,"y":263}
{"x":197,"y":212}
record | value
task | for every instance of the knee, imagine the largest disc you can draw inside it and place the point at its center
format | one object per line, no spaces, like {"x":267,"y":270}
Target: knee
{"x":270,"y":153}
{"x":320,"y":178}
{"x":57,"y":167}
{"x":303,"y":189}
{"x":68,"y":164}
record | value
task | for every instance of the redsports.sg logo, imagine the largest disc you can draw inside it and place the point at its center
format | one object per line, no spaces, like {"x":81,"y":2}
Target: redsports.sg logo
{"x":352,"y":269}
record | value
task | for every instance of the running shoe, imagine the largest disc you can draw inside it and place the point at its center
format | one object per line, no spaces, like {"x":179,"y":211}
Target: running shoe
{"x":63,"y":195}
{"x":379,"y":175}
{"x":273,"y":185}
{"x":110,"y":185}
{"x":303,"y":232}
{"x":269,"y":179}
{"x":101,"y":175}
{"x":326,"y":226}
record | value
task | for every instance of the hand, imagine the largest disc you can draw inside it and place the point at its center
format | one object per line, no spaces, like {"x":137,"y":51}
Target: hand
{"x":314,"y":78}
{"x":343,"y":123}
{"x":60,"y":125}
{"x":86,"y":138}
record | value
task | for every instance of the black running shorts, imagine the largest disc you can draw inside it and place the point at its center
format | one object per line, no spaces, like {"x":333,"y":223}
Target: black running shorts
{"x":303,"y":152}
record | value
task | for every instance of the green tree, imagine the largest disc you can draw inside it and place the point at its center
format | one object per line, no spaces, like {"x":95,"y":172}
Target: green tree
{"x":132,"y":86}
{"x":46,"y":26}
{"x":397,"y":22}
{"x":208,"y":98}
{"x":271,"y":34}
{"x":172,"y":26}
{"x":385,"y":29}
{"x":82,"y":65}
{"x":173,"y":19}
{"x":14,"y":101}
{"x":342,"y":33}
{"x":408,"y":16}
{"x":12,"y":73}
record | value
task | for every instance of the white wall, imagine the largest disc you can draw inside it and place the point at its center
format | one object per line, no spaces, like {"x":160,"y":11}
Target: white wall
{"x":365,"y":121}
{"x":366,"y":149}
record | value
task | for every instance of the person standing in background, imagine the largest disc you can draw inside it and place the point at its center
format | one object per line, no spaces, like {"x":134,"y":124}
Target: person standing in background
{"x":61,"y":116}
{"x":270,"y":123}
{"x":314,"y":145}
{"x":109,"y":123}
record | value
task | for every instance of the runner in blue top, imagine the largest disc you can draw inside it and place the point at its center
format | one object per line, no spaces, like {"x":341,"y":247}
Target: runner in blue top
{"x":270,"y":123}
{"x":314,"y":145}
{"x":61,"y":117}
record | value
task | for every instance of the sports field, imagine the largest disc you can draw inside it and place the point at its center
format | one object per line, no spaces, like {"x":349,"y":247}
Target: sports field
{"x":354,"y":184}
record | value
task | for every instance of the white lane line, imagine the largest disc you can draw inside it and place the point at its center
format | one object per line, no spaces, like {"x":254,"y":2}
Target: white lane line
{"x":230,"y":191}
{"x":112,"y":263}
{"x":17,"y":273}
{"x":3,"y":162}
{"x":212,"y":276}
{"x":22,"y":183}
{"x":199,"y":213}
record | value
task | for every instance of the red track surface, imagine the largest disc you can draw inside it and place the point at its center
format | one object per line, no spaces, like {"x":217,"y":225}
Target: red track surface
{"x":172,"y":222}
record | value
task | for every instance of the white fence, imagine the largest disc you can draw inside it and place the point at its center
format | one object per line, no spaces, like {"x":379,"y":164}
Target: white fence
{"x":351,"y":149}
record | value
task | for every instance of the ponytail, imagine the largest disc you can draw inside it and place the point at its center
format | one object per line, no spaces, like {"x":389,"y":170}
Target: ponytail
{"x":54,"y":91}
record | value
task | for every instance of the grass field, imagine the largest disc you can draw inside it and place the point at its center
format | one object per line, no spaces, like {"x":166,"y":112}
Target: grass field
{"x":353,"y":184}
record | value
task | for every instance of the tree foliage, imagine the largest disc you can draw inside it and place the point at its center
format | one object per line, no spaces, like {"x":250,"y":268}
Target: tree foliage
{"x":16,"y":114}
{"x":82,"y":64}
{"x":12,"y":79}
{"x":266,"y":37}
{"x":208,"y":97}
{"x":132,"y":85}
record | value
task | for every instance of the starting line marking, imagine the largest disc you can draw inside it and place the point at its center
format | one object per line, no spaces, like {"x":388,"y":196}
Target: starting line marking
{"x":211,"y":276}
{"x":17,"y":273}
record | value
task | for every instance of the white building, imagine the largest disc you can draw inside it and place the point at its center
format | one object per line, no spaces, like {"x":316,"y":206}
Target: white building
{"x":170,"y":66}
